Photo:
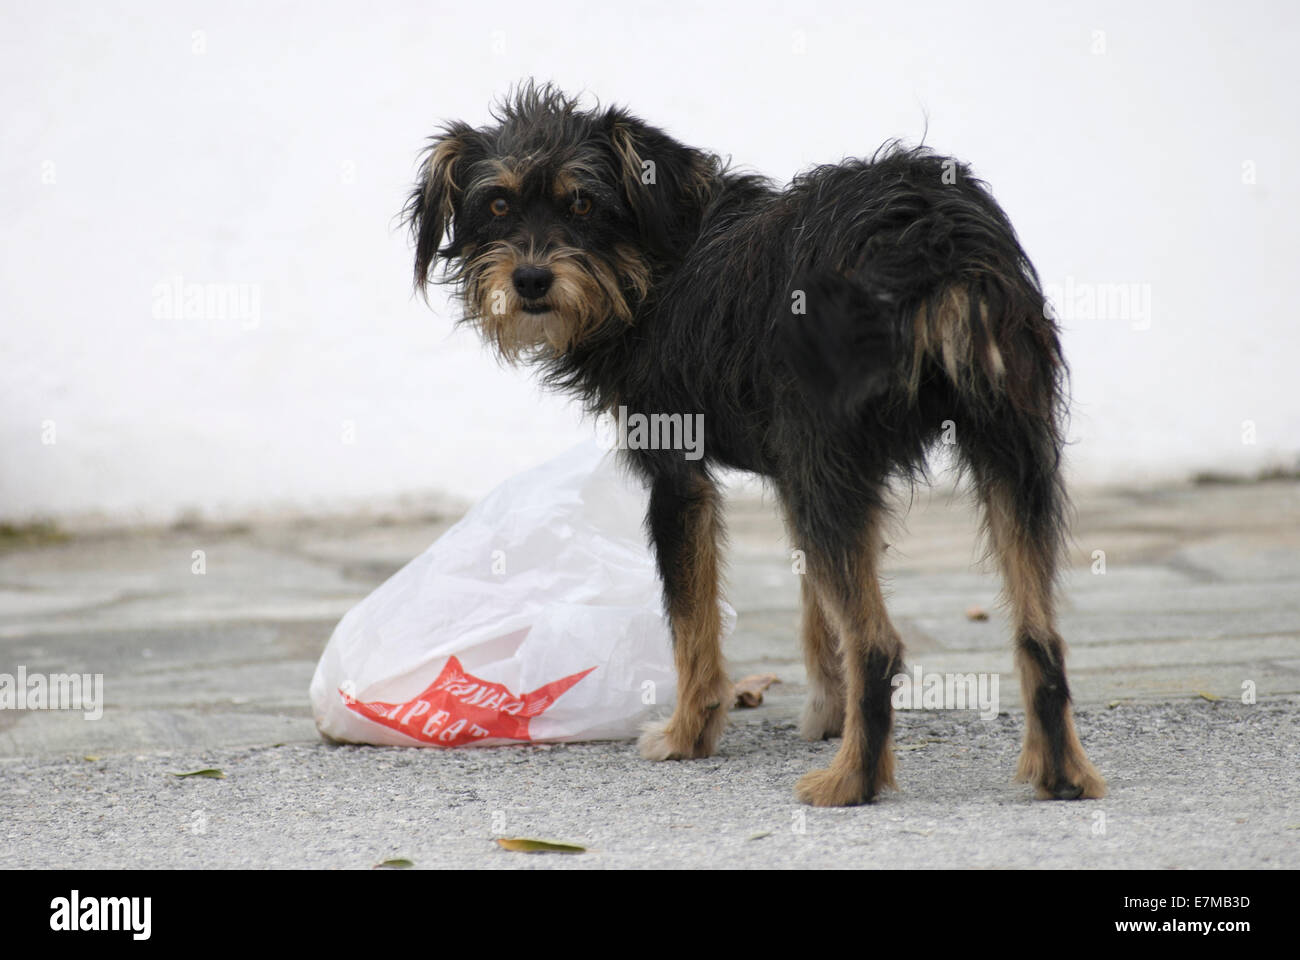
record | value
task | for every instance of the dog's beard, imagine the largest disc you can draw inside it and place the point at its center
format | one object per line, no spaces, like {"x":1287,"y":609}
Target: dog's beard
{"x":586,"y":293}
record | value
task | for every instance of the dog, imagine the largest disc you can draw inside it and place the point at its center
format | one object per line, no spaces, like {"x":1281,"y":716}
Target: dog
{"x":829,"y":332}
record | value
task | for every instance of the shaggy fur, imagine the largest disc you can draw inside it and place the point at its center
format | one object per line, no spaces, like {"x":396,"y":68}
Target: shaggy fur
{"x":827,"y":332}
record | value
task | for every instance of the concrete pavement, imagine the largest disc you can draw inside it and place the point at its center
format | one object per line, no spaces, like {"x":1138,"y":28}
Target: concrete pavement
{"x":1199,"y":599}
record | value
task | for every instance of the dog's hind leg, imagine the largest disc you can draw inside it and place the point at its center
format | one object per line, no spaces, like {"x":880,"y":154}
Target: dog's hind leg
{"x":1014,"y":459}
{"x":847,"y":583}
{"x":823,"y":713}
{"x":685,"y":527}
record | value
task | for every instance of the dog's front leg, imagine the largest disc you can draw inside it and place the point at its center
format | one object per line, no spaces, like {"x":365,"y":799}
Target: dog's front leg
{"x":685,"y":527}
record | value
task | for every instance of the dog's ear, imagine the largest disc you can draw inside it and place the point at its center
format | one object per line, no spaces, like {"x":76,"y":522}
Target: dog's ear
{"x":667,"y":185}
{"x":431,"y":208}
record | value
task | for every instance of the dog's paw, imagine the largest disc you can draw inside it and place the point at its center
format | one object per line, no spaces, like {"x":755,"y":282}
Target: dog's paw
{"x":822,"y":718}
{"x":665,"y":741}
{"x":1081,"y":781}
{"x":657,"y":743}
{"x":1082,"y":788}
{"x":689,"y":733}
{"x":1079,"y":785}
{"x":833,"y":788}
{"x":661,"y":741}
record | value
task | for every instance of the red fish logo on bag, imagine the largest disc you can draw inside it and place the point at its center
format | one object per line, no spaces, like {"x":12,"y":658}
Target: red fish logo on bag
{"x":460,"y":708}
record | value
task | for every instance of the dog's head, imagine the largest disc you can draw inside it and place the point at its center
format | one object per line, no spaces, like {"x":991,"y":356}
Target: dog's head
{"x":556,"y":219}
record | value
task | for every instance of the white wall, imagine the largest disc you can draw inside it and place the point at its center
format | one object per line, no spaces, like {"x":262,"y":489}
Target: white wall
{"x":271,"y":145}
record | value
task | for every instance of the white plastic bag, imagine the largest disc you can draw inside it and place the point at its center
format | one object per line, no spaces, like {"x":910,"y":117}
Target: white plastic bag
{"x":537,"y":617}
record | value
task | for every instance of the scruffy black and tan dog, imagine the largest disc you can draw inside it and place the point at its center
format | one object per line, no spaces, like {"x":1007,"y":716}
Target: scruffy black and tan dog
{"x":826,"y":332}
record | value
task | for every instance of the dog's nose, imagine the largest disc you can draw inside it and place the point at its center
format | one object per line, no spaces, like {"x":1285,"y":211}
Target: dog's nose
{"x":532,"y":282}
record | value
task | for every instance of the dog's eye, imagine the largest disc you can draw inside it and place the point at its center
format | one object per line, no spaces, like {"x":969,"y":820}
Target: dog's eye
{"x":499,"y":207}
{"x":581,"y":206}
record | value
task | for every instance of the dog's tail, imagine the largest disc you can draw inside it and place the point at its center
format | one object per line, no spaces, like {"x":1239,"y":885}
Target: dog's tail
{"x":939,"y":290}
{"x":984,"y":330}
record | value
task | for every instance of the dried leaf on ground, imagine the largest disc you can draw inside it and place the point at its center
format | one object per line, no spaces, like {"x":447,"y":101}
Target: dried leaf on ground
{"x":749,"y":691}
{"x":530,"y":845}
